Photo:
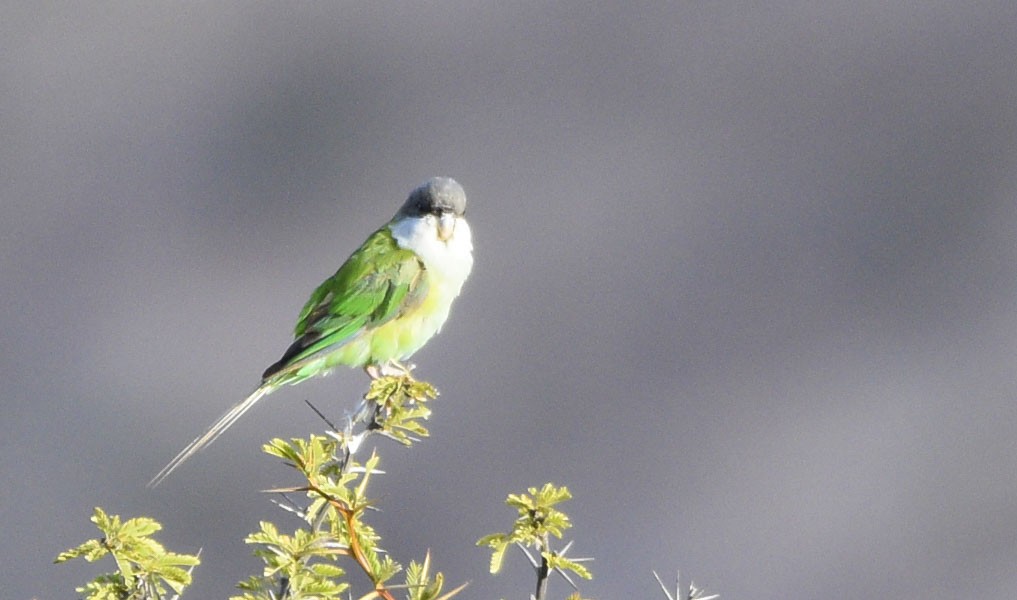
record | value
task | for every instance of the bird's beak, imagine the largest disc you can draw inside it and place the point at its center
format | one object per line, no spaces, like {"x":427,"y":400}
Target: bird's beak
{"x":446,"y":226}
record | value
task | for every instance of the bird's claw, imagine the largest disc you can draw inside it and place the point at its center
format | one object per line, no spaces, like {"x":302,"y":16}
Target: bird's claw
{"x":391,"y":368}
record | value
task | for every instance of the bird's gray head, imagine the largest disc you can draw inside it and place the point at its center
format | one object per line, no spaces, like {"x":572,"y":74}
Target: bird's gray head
{"x":436,"y":196}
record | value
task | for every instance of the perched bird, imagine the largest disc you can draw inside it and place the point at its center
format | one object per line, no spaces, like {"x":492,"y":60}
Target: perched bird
{"x":381,"y":306}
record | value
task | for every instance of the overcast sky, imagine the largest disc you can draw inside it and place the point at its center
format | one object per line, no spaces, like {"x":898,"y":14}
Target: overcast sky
{"x":744,"y":280}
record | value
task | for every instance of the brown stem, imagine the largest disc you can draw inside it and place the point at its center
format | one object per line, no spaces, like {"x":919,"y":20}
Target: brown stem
{"x":355,"y":549}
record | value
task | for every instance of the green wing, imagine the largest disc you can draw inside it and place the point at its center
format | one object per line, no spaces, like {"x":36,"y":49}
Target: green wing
{"x":377,"y":283}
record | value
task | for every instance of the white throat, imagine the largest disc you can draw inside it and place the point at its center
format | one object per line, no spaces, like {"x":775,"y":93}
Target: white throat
{"x":448,"y":262}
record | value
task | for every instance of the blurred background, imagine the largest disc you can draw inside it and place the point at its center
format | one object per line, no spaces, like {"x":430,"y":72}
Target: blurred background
{"x":745,"y":280}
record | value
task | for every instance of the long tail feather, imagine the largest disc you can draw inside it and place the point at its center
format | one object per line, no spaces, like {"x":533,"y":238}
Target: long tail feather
{"x":213,"y":433}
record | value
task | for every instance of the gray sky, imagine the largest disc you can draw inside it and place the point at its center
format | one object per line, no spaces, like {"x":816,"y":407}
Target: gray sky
{"x":744,"y":280}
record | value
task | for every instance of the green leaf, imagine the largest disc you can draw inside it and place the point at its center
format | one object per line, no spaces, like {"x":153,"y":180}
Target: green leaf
{"x":139,"y":527}
{"x":92,"y":550}
{"x":144,"y":567}
{"x":497,"y":558}
{"x":538,"y":521}
{"x":560,"y":562}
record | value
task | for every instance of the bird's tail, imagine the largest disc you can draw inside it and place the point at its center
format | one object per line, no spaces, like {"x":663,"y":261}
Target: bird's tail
{"x":214,"y":431}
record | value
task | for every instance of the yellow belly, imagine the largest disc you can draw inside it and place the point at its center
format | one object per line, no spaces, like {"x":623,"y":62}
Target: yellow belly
{"x":401,"y":337}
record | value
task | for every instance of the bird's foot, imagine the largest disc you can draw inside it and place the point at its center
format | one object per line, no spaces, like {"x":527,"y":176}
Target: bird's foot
{"x":398,"y":368}
{"x":391,"y":368}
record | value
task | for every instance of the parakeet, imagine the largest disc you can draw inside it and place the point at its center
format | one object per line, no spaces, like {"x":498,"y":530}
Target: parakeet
{"x":382,"y":305}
